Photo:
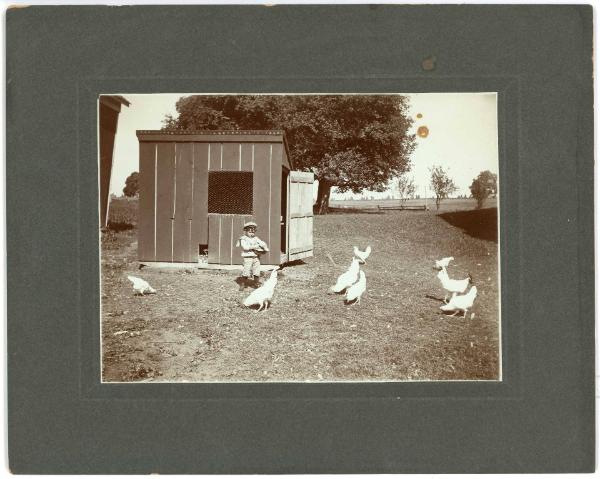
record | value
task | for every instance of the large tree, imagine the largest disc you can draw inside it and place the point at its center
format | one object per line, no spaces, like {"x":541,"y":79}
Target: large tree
{"x":351,"y":142}
{"x":484,"y":186}
{"x":443,"y":186}
{"x":132,"y":185}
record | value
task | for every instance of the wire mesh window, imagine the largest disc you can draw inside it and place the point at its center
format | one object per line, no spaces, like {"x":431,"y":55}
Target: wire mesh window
{"x":230,"y":192}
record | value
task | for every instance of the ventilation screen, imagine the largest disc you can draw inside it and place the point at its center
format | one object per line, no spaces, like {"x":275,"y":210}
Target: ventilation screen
{"x":230,"y":192}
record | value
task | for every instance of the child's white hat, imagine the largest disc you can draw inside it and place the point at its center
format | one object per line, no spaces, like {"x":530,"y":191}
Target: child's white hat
{"x":250,"y":223}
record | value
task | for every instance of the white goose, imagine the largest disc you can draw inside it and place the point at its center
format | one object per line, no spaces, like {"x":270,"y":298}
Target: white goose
{"x":141,"y":286}
{"x":355,"y":291}
{"x":346,"y":279}
{"x":262,"y":296}
{"x":461,"y":302}
{"x":444,"y":262}
{"x":362,"y":255}
{"x":453,"y":285}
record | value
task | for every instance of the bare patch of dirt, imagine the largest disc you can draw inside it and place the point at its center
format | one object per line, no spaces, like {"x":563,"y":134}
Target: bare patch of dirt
{"x":196,"y":329}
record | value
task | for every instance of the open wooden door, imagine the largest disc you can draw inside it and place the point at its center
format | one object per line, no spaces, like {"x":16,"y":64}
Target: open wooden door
{"x":300,"y":215}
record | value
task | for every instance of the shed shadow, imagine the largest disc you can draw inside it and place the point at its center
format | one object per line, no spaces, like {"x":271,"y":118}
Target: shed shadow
{"x":291,"y":264}
{"x":481,"y":224}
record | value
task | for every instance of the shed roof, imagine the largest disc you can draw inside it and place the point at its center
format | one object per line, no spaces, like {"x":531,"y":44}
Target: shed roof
{"x":220,"y":136}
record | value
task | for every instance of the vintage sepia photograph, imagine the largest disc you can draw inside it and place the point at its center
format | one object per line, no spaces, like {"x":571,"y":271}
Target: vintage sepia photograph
{"x":299,"y":237}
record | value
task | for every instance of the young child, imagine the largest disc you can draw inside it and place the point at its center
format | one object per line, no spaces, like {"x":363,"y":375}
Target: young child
{"x":252,"y":247}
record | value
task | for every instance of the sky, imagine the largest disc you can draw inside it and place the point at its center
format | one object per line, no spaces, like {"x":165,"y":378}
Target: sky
{"x":462,"y":136}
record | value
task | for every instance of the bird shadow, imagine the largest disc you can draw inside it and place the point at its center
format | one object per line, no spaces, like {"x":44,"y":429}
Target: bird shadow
{"x":239,"y":280}
{"x":256,"y":307}
{"x":336,"y":293}
{"x":429,"y":296}
{"x":450,"y":314}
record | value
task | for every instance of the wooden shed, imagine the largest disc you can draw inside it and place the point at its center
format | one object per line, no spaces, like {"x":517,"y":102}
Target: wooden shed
{"x":109,"y":107}
{"x":198,"y":188}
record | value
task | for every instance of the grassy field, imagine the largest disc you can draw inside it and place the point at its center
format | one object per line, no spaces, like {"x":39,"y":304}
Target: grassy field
{"x":446,"y":205}
{"x":195,"y":329}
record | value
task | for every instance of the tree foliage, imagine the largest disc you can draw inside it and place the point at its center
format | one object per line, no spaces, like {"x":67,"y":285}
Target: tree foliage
{"x":484,"y":186}
{"x":442,"y":185}
{"x":406,"y":187}
{"x":351,"y":142}
{"x":131,"y":185}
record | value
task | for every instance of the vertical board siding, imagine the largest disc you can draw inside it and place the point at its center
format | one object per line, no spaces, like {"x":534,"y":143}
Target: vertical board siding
{"x":223,"y":156}
{"x":301,"y":219}
{"x":183,"y":203}
{"x":246,"y":155}
{"x":146,"y":202}
{"x":200,"y":196}
{"x":275,"y":202}
{"x":222,"y":248}
{"x":307,"y":200}
{"x":238,"y":230}
{"x":174,"y":216}
{"x":215,"y":157}
{"x":260,"y":209}
{"x":231,"y":157}
{"x":226,"y":239}
{"x":214,"y":222}
{"x":165,"y":181}
{"x":295,"y":198}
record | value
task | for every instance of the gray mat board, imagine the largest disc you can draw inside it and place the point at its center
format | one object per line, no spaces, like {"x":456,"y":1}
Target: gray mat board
{"x":539,"y":419}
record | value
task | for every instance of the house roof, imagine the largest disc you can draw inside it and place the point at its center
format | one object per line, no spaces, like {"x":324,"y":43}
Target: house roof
{"x":114,"y":101}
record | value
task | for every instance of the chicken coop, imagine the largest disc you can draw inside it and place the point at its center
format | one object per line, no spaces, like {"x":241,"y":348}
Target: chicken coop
{"x":197,"y":189}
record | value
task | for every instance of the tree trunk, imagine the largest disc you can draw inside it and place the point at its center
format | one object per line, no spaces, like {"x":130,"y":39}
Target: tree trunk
{"x":322,"y":205}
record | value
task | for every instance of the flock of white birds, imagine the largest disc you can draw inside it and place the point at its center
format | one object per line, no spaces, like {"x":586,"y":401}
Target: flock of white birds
{"x":458,"y":302}
{"x":354,"y":283}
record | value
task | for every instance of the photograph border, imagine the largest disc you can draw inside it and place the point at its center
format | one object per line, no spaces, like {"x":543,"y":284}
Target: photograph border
{"x":91,"y":89}
{"x":468,"y":94}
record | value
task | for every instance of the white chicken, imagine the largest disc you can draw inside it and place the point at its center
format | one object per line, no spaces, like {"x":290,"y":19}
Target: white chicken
{"x":262,"y":296}
{"x":444,"y":262}
{"x":362,"y":255}
{"x":461,"y":302}
{"x":141,"y":286}
{"x":346,"y":279}
{"x":453,"y":285}
{"x":355,"y":291}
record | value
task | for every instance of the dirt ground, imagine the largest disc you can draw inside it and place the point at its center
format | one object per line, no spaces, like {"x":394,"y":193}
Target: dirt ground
{"x":195,"y":328}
